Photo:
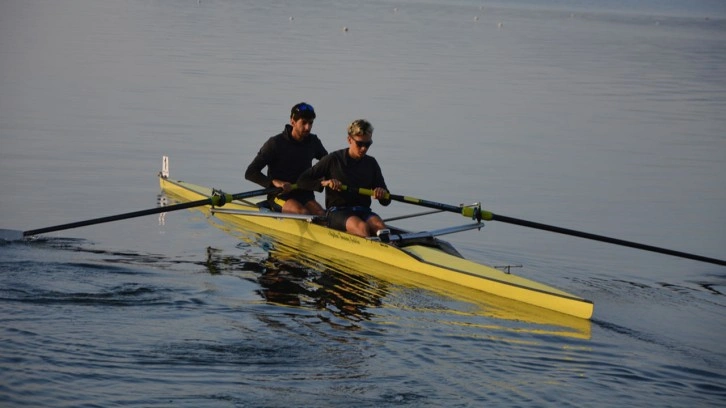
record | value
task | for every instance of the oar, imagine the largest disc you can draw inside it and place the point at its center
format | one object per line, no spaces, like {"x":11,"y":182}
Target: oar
{"x":479,"y":214}
{"x":217,"y":200}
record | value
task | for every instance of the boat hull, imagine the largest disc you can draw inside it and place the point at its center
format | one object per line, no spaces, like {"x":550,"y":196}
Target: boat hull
{"x":421,"y":259}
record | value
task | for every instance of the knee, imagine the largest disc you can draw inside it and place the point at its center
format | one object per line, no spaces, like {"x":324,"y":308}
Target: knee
{"x":294,"y":207}
{"x":375,"y":224}
{"x":314,"y":208}
{"x":356,"y":226}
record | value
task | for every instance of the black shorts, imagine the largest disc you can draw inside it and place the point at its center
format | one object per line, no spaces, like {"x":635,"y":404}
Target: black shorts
{"x":337,"y":216}
{"x":301,"y":196}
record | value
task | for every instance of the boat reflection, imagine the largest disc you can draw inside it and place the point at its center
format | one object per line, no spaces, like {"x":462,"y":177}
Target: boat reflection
{"x":318,"y":279}
{"x":285,"y":280}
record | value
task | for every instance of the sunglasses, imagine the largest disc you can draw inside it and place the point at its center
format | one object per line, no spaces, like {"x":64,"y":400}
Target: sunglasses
{"x":362,"y":144}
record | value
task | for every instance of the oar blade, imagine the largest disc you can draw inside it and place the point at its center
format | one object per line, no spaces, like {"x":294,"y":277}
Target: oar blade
{"x":11,"y":235}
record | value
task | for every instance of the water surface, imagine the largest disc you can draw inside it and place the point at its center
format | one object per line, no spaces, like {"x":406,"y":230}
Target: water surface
{"x":602,"y":118}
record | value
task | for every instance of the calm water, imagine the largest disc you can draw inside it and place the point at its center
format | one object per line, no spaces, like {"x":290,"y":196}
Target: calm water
{"x":608,"y":121}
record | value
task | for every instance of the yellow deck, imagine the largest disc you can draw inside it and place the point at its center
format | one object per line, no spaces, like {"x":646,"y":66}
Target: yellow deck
{"x":363,"y":253}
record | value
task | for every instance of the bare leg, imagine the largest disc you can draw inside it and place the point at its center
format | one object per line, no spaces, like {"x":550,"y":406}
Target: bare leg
{"x":374,"y":224}
{"x":314,"y":208}
{"x":294,"y":207}
{"x":356,"y":226}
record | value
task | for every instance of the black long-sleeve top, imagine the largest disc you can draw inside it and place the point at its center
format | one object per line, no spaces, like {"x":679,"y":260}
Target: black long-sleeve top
{"x":284,"y":157}
{"x":363,"y":173}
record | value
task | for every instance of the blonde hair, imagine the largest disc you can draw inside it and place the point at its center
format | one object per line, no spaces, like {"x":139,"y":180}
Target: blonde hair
{"x":360,"y":127}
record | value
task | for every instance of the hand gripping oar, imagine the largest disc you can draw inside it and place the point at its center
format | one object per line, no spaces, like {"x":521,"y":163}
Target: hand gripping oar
{"x":479,"y":214}
{"x":217,"y":200}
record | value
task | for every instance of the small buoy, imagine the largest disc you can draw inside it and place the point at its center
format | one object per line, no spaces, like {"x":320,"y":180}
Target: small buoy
{"x":345,"y":29}
{"x":476,"y":18}
{"x":292,"y":18}
{"x":395,"y":9}
{"x":500,"y":24}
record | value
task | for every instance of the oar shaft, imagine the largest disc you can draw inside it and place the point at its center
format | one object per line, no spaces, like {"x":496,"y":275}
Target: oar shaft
{"x":425,"y":203}
{"x":216,"y":200}
{"x":602,"y":238}
{"x":489,"y":216}
{"x":111,"y":218}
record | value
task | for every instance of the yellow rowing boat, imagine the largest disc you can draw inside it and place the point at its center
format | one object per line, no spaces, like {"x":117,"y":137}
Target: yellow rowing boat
{"x":418,"y":253}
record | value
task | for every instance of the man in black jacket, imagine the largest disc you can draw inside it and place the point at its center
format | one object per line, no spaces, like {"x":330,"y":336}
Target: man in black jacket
{"x":348,"y":210}
{"x":286,"y":156}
